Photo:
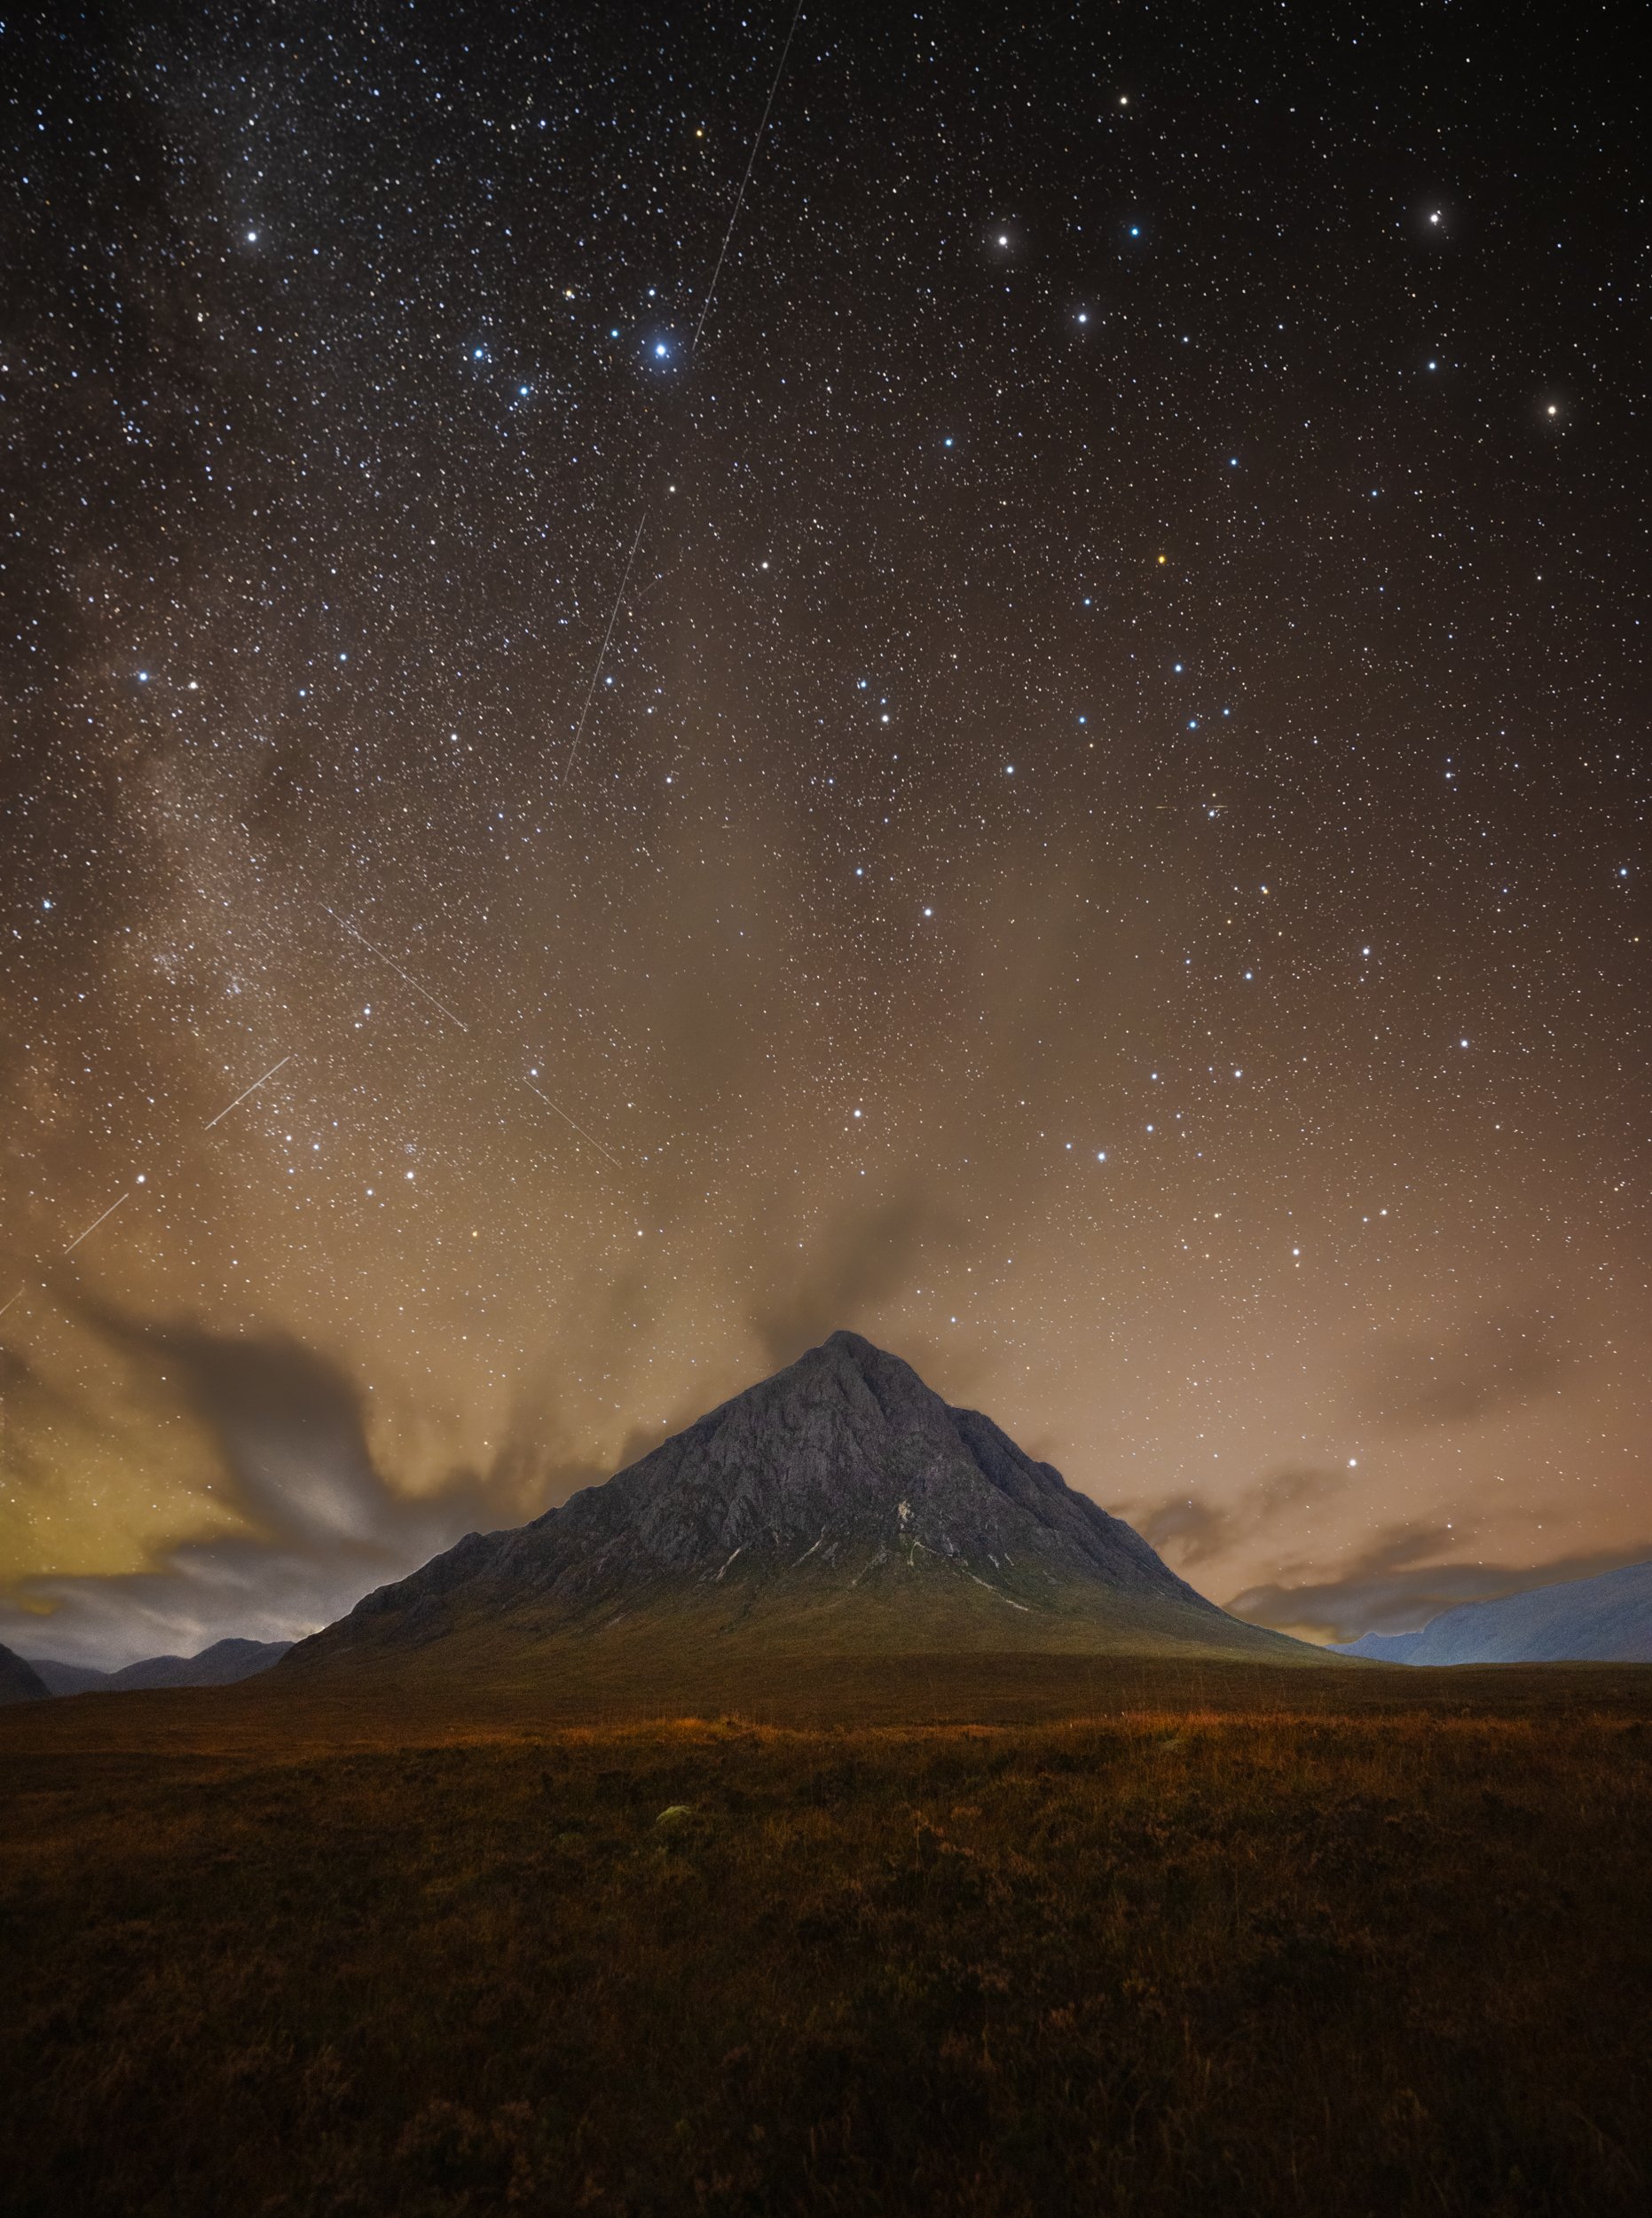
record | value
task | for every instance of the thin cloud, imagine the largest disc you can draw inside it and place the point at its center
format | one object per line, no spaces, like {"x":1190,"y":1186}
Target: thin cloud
{"x":1499,"y":1361}
{"x":842,"y":1277}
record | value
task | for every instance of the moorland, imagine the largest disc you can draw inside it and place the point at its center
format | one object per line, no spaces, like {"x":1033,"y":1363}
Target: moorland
{"x":996,"y":1936}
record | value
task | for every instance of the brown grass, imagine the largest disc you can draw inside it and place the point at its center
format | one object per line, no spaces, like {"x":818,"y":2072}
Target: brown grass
{"x":1373,"y":1956}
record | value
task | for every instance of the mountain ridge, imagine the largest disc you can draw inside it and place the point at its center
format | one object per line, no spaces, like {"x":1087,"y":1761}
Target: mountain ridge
{"x":223,"y":1664}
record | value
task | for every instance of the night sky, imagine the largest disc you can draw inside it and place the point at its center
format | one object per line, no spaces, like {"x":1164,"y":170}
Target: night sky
{"x":1067,"y":789}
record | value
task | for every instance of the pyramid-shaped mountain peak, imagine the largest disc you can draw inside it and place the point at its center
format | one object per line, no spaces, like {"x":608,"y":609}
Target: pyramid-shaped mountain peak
{"x":840,"y":1499}
{"x":847,"y":1450}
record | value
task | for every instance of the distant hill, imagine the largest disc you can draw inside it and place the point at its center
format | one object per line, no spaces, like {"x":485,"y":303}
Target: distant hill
{"x":221,"y":1665}
{"x":837,"y":1508}
{"x":1607,"y":1619}
{"x":69,"y":1679}
{"x":20,"y":1681}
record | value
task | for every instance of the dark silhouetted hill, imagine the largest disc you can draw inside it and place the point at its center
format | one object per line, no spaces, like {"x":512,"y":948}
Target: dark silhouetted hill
{"x":221,"y":1665}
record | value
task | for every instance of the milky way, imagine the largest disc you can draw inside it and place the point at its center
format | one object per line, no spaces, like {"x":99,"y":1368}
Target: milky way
{"x":1066,"y":790}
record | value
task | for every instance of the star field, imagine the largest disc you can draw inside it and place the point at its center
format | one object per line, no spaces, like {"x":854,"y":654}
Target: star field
{"x":1055,"y":773}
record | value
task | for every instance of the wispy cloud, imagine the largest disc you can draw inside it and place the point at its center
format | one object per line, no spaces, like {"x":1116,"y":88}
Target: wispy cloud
{"x":320,"y":1524}
{"x":859,"y":1262}
{"x":1190,"y":1529}
{"x":1499,"y":1360}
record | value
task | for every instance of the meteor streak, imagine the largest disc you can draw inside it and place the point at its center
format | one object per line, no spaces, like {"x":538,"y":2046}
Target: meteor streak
{"x":613,"y":618}
{"x":253,"y":1088}
{"x":91,"y":1229}
{"x":397,"y":967}
{"x":566,"y":1119}
{"x":710,"y":290}
{"x":705,"y":309}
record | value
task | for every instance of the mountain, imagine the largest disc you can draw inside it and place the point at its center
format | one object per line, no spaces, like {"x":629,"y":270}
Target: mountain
{"x":838,"y":1507}
{"x":221,"y":1665}
{"x":20,"y":1681}
{"x":1607,"y":1619}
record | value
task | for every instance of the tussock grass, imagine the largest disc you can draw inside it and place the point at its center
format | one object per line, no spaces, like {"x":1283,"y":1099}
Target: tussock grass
{"x":1170,"y":1960}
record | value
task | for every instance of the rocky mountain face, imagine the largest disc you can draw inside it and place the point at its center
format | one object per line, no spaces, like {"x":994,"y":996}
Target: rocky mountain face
{"x":220,"y":1665}
{"x":20,"y":1681}
{"x":842,"y":1488}
{"x":1607,"y":1619}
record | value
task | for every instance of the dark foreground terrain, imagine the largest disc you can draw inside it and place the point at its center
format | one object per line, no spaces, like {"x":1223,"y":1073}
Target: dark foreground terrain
{"x":1353,"y":1946}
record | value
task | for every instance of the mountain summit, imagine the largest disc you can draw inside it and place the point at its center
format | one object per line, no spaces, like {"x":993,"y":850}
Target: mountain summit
{"x":839,"y":1505}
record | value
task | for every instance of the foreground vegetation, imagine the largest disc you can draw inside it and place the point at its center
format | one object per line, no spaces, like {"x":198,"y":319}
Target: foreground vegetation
{"x":1161,"y":1964}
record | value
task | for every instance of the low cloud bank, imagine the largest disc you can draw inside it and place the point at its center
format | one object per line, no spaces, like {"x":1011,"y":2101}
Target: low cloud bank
{"x":1389,"y":1589}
